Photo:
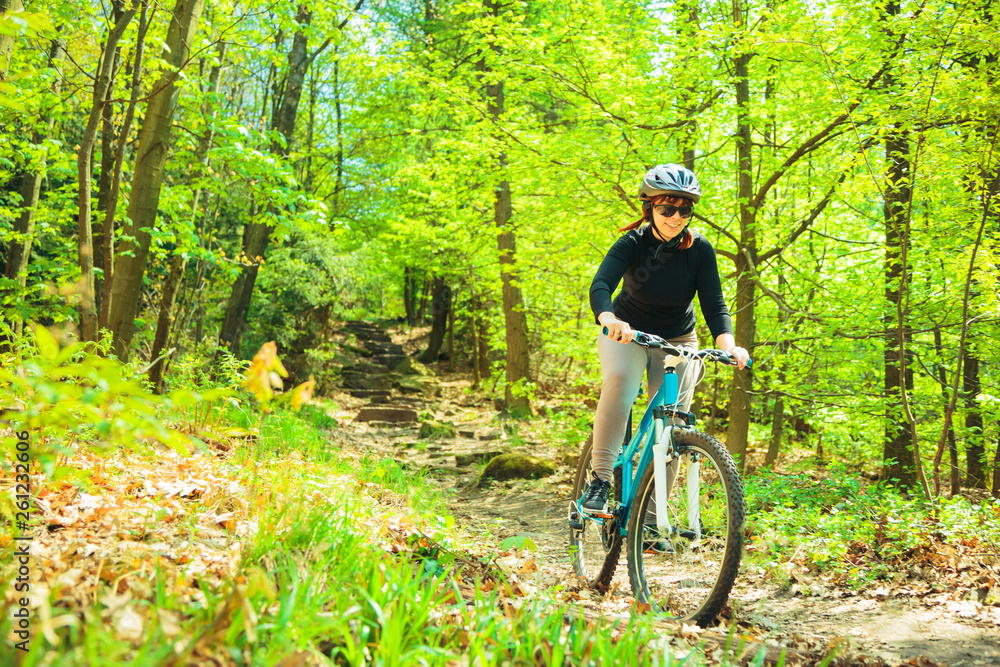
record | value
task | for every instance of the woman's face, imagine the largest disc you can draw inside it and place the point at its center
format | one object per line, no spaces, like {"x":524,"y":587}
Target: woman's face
{"x":669,"y":227}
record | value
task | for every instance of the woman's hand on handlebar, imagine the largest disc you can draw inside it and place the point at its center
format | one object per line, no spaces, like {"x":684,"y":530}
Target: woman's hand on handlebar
{"x":727,"y":343}
{"x":741,"y":355}
{"x":618,"y":330}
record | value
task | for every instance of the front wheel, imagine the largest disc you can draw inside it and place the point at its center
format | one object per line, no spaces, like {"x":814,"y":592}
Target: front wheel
{"x":688,"y":570}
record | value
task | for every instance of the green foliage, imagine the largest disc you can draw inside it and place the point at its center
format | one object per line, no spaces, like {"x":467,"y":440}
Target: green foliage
{"x":60,"y":395}
{"x":395,"y":161}
{"x":857,"y":532}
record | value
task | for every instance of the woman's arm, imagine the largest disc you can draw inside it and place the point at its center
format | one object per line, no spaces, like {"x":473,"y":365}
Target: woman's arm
{"x":714,"y":308}
{"x":609,"y":274}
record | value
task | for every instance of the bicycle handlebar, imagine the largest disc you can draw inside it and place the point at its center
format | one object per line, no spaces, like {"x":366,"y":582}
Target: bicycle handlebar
{"x":655,"y":342}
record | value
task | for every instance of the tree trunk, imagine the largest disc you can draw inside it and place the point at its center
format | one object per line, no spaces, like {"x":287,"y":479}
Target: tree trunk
{"x":516,"y":402}
{"x":485,"y":351}
{"x":713,"y":415}
{"x":897,"y":446}
{"x":778,"y":418}
{"x":474,"y":328}
{"x":7,"y":41}
{"x":689,"y":94}
{"x":996,"y":471}
{"x":480,"y":338}
{"x":425,"y":291}
{"x":257,"y":235}
{"x":19,"y":251}
{"x":179,"y":263}
{"x":440,"y":309}
{"x":777,"y":427}
{"x":409,"y":283}
{"x":111,"y":206}
{"x":746,"y":259}
{"x":147,"y":179}
{"x":484,"y":343}
{"x":107,"y":165}
{"x":84,"y":163}
{"x":451,"y":337}
{"x":164,"y":321}
{"x":975,"y":449}
{"x":339,"y":183}
{"x":955,"y":477}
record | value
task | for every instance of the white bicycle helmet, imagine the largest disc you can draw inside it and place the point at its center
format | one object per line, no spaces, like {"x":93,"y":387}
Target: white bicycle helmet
{"x":670,"y":179}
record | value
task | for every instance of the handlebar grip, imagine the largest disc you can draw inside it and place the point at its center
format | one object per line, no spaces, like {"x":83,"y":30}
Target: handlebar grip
{"x":733,"y":359}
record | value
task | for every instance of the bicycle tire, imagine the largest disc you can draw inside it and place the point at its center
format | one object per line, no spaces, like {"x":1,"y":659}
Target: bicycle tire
{"x":683,"y":575}
{"x":587,"y":546}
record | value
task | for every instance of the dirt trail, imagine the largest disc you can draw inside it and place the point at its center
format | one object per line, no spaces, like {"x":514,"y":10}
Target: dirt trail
{"x":880,"y":628}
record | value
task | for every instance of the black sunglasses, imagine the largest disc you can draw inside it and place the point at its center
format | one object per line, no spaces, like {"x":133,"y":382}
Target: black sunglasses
{"x":668,"y":211}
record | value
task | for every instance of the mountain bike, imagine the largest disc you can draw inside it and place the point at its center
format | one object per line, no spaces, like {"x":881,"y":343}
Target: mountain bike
{"x":676,"y":505}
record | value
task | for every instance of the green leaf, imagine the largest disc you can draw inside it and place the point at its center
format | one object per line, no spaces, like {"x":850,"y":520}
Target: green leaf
{"x":47,"y":345}
{"x":519,"y":542}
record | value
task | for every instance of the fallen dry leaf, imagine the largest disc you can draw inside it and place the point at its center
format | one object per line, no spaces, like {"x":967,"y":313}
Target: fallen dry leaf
{"x":130,"y":626}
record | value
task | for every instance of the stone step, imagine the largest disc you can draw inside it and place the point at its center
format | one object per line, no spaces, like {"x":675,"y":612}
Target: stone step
{"x":368,"y":333}
{"x":379,"y":347}
{"x":369,"y":393}
{"x":388,"y":360}
{"x":366,"y":368}
{"x":371,"y":382}
{"x":386,"y":413}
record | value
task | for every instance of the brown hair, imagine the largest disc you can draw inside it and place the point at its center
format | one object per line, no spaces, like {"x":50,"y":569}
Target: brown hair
{"x":647,"y":216}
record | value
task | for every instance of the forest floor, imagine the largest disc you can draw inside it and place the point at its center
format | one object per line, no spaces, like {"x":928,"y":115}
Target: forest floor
{"x":896,"y":622}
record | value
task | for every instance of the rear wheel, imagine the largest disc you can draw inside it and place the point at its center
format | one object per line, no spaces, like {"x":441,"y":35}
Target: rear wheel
{"x":595,"y":545}
{"x":688,"y":571}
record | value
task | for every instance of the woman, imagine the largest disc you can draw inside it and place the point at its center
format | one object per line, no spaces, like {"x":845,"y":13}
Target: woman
{"x":664,"y":264}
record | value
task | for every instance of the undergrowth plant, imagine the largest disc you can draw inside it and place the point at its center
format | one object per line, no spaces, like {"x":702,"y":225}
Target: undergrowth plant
{"x":858,"y":532}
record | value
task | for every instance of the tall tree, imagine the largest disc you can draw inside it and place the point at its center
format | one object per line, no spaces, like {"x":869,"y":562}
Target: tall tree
{"x":114,"y":177}
{"x":257,"y":235}
{"x":516,"y":402}
{"x":897,"y":445}
{"x":7,"y":41}
{"x":108,"y":135}
{"x":147,"y":179}
{"x":746,"y":255}
{"x":975,"y":449}
{"x":178,"y":264}
{"x":19,"y":251}
{"x":441,"y":308}
{"x":955,"y":476}
{"x":85,"y":169}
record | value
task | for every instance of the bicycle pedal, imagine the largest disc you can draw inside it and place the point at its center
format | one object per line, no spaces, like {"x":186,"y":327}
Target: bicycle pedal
{"x":599,"y":515}
{"x":576,"y":518}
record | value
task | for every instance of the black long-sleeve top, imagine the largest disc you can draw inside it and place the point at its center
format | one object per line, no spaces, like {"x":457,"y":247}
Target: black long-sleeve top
{"x":658,"y":295}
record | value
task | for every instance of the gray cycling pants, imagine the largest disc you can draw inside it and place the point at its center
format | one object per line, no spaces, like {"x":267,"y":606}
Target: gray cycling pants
{"x":621,"y":371}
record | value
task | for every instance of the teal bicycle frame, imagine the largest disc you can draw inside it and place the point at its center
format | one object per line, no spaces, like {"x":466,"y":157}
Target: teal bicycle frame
{"x":645,"y":436}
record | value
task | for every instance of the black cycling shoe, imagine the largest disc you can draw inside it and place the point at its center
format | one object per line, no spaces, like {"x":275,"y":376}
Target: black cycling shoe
{"x":652,"y":544}
{"x":595,"y":498}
